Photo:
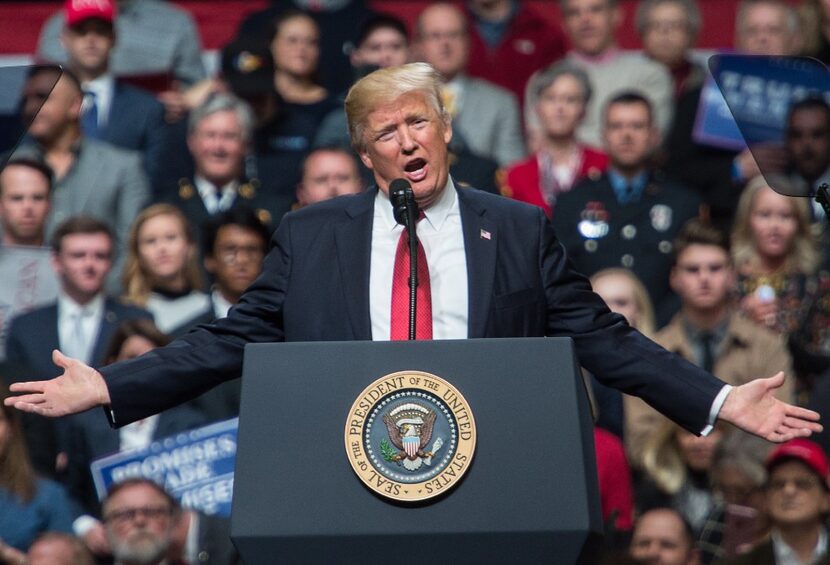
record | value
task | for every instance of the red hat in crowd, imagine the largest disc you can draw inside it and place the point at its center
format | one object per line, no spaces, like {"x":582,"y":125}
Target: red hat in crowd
{"x":808,"y":452}
{"x":78,"y":11}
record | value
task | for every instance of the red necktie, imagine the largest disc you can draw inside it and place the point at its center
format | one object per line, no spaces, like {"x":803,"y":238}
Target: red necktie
{"x":399,"y":321}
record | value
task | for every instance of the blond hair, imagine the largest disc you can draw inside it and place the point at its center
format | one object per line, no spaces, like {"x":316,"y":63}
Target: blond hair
{"x":646,"y":324}
{"x":384,"y":86}
{"x":137,"y":280}
{"x":803,"y":258}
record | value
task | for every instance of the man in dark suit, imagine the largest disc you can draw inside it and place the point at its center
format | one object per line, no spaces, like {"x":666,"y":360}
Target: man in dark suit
{"x":219,"y":136}
{"x":83,"y":318}
{"x":113,"y":111}
{"x":631,"y":214}
{"x":329,"y":271}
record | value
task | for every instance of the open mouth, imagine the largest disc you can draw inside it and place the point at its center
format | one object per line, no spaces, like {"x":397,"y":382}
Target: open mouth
{"x":416,"y":170}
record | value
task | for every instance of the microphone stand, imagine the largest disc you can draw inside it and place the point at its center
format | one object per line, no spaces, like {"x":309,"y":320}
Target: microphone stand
{"x":411,"y":226}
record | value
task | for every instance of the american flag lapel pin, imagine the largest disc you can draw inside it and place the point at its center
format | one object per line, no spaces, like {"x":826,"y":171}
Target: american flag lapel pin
{"x":485,"y":234}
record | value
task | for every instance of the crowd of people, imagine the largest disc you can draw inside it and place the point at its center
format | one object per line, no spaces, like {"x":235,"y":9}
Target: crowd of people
{"x":157,"y":189}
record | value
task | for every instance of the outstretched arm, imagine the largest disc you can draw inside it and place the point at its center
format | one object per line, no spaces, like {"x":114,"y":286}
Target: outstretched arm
{"x":79,"y":388}
{"x":754,"y":408}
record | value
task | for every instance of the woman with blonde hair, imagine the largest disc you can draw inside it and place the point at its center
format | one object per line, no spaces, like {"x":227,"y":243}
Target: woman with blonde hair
{"x":162,"y":272}
{"x":677,"y":465}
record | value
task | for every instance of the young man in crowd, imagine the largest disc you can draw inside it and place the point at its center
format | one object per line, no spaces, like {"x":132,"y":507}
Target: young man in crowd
{"x":25,"y":193}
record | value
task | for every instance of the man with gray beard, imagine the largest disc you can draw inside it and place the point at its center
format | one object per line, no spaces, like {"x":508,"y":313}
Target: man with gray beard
{"x":139,"y":517}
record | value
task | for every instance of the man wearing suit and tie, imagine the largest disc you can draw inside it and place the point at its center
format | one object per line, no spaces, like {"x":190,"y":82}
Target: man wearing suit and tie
{"x":92,"y":177}
{"x":219,"y":132}
{"x":81,"y":321}
{"x":485,"y":116}
{"x":331,"y":269}
{"x":113,"y":111}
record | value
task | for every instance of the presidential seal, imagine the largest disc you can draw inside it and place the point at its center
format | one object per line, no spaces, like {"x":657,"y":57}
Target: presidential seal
{"x":410,"y":436}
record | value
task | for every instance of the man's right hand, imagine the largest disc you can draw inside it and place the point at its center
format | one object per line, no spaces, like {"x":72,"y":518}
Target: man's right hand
{"x":79,"y":388}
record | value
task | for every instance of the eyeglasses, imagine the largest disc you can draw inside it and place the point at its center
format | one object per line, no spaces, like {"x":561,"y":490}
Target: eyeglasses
{"x":231,"y":255}
{"x":130,"y":514}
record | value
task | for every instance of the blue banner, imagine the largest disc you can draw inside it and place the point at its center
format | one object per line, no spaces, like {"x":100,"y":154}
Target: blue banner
{"x":195,"y":467}
{"x":746,"y":99}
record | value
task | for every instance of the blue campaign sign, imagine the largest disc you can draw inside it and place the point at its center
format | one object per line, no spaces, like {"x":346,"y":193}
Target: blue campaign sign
{"x":196,"y":467}
{"x":746,"y":99}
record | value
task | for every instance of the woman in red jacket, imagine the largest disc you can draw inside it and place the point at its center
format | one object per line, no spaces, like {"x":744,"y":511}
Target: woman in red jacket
{"x":561,"y":93}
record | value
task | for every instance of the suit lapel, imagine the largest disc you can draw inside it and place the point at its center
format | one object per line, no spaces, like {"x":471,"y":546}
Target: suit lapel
{"x":353,"y":239}
{"x":480,"y":243}
{"x":106,"y":329}
{"x":52,"y":338}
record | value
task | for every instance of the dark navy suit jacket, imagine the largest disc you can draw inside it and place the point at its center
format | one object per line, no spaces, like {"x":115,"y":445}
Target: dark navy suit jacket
{"x":33,"y":336}
{"x":315,"y":287}
{"x":136,"y":121}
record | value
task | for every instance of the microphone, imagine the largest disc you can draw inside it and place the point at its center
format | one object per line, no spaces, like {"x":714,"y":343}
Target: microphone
{"x":406,"y":213}
{"x":404,"y":207}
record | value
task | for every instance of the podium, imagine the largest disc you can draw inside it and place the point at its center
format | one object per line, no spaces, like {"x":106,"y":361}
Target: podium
{"x":529,"y":495}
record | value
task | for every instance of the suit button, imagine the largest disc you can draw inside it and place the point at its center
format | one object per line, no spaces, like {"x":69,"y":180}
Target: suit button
{"x":627,"y":260}
{"x":203,"y":557}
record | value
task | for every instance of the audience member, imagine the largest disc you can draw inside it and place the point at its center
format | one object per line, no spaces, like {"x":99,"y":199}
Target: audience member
{"x":815,"y":21}
{"x":562,"y":92}
{"x":91,"y":177}
{"x":668,"y":30}
{"x":485,"y":117}
{"x":663,"y":537}
{"x":79,"y":322}
{"x":113,"y":111}
{"x":808,"y":150}
{"x":630,"y":215}
{"x":615,"y":490}
{"x":55,"y":548}
{"x":339,"y":22}
{"x":83,"y":319}
{"x":509,"y":42}
{"x":797,"y":505}
{"x":90,"y":438}
{"x":707,"y":331}
{"x":304,"y":101}
{"x":328,"y":172}
{"x":382,"y":41}
{"x":25,"y":193}
{"x":162,"y":271}
{"x":677,"y":465}
{"x":154,"y":37}
{"x":738,"y":475}
{"x":591,"y":25}
{"x":763,"y":27}
{"x":29,"y":504}
{"x":234,"y":246}
{"x":139,"y":517}
{"x":201,"y":538}
{"x":624,"y":294}
{"x":776,"y":258}
{"x":219,"y":136}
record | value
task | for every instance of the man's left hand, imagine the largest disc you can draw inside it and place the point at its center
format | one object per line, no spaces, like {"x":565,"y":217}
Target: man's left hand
{"x":754,"y":408}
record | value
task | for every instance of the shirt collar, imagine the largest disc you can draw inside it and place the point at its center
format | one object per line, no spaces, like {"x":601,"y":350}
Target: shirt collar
{"x":603,"y":58}
{"x":436,"y":214}
{"x":207,"y":188}
{"x":68,"y":307}
{"x":786,"y":554}
{"x":103,"y":85}
{"x":620,"y":183}
{"x":220,"y":305}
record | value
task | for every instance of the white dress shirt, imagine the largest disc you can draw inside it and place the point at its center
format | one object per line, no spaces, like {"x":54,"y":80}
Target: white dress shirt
{"x":79,"y":345}
{"x":216,"y":202}
{"x":103,"y":88}
{"x":442,"y":237}
{"x":221,"y":307}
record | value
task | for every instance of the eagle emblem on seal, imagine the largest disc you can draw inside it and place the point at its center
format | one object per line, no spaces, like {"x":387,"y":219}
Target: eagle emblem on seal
{"x":410,"y":428}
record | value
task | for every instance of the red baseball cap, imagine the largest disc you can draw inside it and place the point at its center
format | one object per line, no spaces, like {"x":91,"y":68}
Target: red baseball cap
{"x":808,"y":452}
{"x":78,"y":11}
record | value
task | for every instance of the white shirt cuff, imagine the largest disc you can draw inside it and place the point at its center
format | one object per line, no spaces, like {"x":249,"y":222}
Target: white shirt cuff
{"x":717,"y":404}
{"x":83,"y":524}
